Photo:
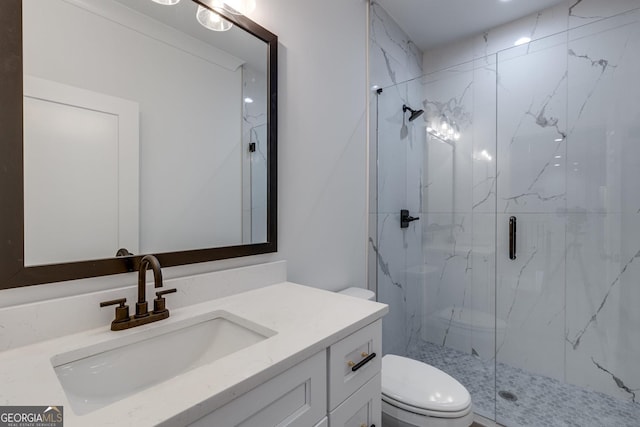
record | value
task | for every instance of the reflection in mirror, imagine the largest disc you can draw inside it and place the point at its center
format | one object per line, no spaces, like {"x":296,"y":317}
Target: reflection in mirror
{"x":165,"y":178}
{"x":142,"y":130}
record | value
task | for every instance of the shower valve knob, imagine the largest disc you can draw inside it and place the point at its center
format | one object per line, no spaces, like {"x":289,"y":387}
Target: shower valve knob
{"x":405,"y":218}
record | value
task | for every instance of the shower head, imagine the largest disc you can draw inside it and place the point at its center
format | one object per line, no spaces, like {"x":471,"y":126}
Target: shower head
{"x":414,"y":113}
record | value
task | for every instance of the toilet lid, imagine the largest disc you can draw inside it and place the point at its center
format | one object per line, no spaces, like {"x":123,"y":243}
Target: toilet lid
{"x":422,"y":386}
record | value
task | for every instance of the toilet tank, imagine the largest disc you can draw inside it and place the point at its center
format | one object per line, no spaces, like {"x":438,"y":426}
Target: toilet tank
{"x":359,"y":293}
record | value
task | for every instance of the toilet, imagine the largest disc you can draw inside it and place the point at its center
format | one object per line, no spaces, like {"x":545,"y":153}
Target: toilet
{"x":415,"y":394}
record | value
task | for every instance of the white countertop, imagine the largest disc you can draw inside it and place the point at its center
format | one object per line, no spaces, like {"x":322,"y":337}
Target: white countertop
{"x":306,"y":320}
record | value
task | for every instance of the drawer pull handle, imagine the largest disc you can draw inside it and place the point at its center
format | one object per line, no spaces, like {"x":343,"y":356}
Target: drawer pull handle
{"x":362,"y":362}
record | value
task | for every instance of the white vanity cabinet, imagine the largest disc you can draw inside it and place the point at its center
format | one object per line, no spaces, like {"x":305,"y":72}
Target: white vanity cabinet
{"x":362,"y":409}
{"x":322,"y":391}
{"x":354,"y":379}
{"x":295,"y":398}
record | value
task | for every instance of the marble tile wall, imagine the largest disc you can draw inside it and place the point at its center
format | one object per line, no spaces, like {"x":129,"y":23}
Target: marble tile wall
{"x":459,"y":206}
{"x":603,"y":205}
{"x":396,"y":170}
{"x":563,"y":159}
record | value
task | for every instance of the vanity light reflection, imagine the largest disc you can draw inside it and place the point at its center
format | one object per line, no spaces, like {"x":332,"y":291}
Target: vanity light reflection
{"x":236,"y":7}
{"x":211,"y":20}
{"x":446,"y":131}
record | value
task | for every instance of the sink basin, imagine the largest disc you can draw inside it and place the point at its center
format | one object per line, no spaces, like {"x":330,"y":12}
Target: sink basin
{"x":95,"y":376}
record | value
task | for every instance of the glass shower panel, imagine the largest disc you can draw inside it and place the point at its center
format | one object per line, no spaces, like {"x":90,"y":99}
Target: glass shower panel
{"x":457,"y":329}
{"x":400,"y":147}
{"x":603,"y":218}
{"x":568,"y":161}
{"x":532,"y":123}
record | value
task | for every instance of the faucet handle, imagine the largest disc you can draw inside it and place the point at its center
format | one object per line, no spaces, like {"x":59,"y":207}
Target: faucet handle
{"x":122,"y":312}
{"x":159,"y":304}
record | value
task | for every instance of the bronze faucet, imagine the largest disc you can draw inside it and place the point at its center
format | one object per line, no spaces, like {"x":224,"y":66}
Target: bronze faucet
{"x":142,"y":316}
{"x":145,"y":262}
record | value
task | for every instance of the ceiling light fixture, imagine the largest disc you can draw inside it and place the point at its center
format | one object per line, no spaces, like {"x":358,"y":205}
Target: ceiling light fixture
{"x":167,"y":2}
{"x":212,"y":20}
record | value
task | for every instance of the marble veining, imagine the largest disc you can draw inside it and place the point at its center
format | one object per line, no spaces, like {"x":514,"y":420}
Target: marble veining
{"x":491,"y":192}
{"x":618,"y":381}
{"x":394,"y":57}
{"x":573,"y":6}
{"x":604,"y":65}
{"x":576,"y":341}
{"x":384,"y":267}
{"x":519,"y":280}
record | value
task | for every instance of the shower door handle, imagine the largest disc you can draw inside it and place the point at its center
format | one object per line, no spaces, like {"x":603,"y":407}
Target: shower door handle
{"x":512,"y":237}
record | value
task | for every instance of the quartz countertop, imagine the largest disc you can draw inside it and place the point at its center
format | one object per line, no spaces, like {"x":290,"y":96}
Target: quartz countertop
{"x":306,"y":320}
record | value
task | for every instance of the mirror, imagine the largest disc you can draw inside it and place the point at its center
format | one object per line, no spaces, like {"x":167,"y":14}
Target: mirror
{"x":142,"y":130}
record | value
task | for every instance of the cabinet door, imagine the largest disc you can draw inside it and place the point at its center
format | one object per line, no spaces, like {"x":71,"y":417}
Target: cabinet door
{"x":362,"y":409}
{"x":361,"y":351}
{"x":295,"y":398}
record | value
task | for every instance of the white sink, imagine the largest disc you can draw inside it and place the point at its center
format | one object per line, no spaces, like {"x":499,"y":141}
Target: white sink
{"x":93,"y":377}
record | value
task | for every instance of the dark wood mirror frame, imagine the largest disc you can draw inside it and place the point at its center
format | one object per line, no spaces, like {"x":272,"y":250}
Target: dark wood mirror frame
{"x":13,"y":272}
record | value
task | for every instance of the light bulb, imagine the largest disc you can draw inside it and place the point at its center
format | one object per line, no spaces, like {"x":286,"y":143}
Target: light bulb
{"x":212,"y":20}
{"x":444,"y":126}
{"x":456,"y":136}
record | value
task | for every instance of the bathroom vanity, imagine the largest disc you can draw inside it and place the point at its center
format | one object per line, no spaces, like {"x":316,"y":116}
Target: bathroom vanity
{"x":285,"y":354}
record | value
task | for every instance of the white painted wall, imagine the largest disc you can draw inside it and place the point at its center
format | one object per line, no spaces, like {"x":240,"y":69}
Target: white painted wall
{"x":322,"y":138}
{"x":322,"y":152}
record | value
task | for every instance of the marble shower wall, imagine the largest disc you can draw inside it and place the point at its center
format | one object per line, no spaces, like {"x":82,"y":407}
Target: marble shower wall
{"x":603,"y":206}
{"x":564,"y":159}
{"x":459,"y":206}
{"x":396,"y":170}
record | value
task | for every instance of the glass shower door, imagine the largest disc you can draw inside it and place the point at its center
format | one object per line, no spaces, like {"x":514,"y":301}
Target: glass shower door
{"x":568,"y":115}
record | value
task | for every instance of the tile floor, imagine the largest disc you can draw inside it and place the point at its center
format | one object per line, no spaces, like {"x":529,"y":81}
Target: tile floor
{"x":541,"y":401}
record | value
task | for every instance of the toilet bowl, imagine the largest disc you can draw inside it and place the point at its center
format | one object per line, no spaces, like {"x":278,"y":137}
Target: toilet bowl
{"x":418,"y":395}
{"x":415,"y":394}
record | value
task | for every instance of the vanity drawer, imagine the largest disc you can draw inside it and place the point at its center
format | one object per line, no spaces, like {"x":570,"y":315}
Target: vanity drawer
{"x":362,"y":409}
{"x":295,"y":398}
{"x":354,"y":352}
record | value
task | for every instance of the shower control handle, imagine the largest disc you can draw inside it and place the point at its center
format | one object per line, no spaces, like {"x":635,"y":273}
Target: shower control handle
{"x":405,"y":218}
{"x":512,"y":237}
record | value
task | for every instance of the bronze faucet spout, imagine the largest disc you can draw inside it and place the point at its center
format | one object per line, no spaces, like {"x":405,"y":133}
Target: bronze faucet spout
{"x":145,"y":262}
{"x":143,"y":315}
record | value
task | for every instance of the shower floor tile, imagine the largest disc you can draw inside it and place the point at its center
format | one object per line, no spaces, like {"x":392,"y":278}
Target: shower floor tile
{"x":541,"y":401}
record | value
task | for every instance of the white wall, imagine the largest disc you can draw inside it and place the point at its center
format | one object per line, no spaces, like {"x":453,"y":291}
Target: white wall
{"x":322,"y":151}
{"x":322,"y":138}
